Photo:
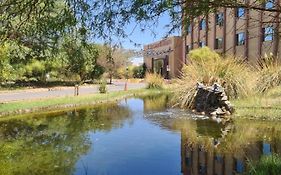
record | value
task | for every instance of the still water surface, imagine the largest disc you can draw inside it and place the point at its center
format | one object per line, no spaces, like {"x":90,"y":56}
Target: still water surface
{"x":136,"y":136}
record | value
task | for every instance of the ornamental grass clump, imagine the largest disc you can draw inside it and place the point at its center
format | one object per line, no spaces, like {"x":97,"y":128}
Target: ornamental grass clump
{"x":207,"y":67}
{"x":269,"y":74}
{"x":154,"y":81}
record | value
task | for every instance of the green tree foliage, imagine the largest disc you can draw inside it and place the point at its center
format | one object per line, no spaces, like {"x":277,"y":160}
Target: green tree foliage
{"x":114,"y":59}
{"x":82,"y":59}
{"x":74,"y":60}
{"x":53,"y":144}
{"x":139,"y":71}
{"x":37,"y":22}
{"x":5,"y":67}
{"x":40,"y":33}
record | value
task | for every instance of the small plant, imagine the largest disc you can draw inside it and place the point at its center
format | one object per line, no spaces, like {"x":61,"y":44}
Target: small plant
{"x":102,"y":87}
{"x":154,"y":81}
{"x":267,"y":165}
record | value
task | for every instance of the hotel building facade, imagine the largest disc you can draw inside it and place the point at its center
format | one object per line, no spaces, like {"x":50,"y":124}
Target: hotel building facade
{"x":240,"y":32}
{"x":164,"y":57}
{"x":244,"y":33}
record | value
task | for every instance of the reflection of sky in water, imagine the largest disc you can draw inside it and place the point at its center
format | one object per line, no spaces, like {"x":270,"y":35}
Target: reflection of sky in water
{"x":134,"y":138}
{"x":266,"y":148}
{"x":141,"y":148}
{"x":239,"y":166}
{"x":150,"y":145}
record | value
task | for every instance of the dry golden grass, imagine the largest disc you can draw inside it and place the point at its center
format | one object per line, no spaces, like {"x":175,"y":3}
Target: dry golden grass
{"x":269,"y":75}
{"x":154,"y":81}
{"x":237,"y":78}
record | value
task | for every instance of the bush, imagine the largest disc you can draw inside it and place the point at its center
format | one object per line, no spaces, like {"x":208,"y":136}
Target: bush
{"x":154,"y":81}
{"x":6,"y":69}
{"x":203,"y":54}
{"x":35,"y":70}
{"x":208,"y":67}
{"x":102,"y":87}
{"x":267,"y":165}
{"x":139,"y":71}
{"x":123,"y":73}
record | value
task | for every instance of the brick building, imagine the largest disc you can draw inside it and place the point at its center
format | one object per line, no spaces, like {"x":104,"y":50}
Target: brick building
{"x":164,"y":57}
{"x":243,"y":33}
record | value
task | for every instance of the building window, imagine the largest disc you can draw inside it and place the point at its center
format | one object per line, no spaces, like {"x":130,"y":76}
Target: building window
{"x":202,"y":24}
{"x":269,"y":4}
{"x":218,"y":44}
{"x":202,"y":44}
{"x":188,"y":29}
{"x":240,"y":12}
{"x":240,"y":39}
{"x":268,"y":33}
{"x":187,"y":49}
{"x":219,"y":19}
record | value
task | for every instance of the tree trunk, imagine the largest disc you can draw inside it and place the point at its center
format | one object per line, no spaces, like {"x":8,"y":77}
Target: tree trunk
{"x":110,"y":79}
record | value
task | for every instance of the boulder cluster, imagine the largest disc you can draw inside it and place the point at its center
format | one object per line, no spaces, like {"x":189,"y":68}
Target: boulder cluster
{"x":212,"y":101}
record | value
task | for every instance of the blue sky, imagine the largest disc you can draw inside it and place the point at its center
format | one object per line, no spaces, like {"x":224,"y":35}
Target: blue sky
{"x":147,"y":36}
{"x":150,"y":35}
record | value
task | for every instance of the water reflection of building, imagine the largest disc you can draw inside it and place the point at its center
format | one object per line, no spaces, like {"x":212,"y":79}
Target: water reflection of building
{"x":197,"y":160}
{"x":210,"y":148}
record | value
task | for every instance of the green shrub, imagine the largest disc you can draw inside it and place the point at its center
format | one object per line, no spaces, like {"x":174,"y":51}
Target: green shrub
{"x":102,"y":87}
{"x":6,"y":69}
{"x":267,"y":165}
{"x":139,"y":71}
{"x":124,"y":73}
{"x":208,"y":68}
{"x":35,"y":70}
{"x":203,"y":54}
{"x":154,"y":81}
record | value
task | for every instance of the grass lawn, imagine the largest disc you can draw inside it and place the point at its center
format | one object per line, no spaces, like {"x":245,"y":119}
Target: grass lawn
{"x":264,"y":107}
{"x":60,"y":103}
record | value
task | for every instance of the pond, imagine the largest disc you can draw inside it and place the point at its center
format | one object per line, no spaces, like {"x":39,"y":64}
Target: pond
{"x":135,"y":136}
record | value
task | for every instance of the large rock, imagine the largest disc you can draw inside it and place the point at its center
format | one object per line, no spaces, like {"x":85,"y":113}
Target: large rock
{"x":212,"y":100}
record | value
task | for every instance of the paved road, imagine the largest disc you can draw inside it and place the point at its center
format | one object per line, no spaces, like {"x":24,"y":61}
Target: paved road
{"x":41,"y":93}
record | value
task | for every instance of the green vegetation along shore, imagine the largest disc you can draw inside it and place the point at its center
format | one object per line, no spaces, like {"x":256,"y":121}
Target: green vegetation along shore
{"x":70,"y":102}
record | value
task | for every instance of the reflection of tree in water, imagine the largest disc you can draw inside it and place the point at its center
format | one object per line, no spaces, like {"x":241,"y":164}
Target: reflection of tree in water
{"x":53,"y":144}
{"x":155,"y":102}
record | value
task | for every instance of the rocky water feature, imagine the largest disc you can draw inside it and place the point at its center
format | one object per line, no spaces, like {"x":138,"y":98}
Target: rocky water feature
{"x":212,"y":101}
